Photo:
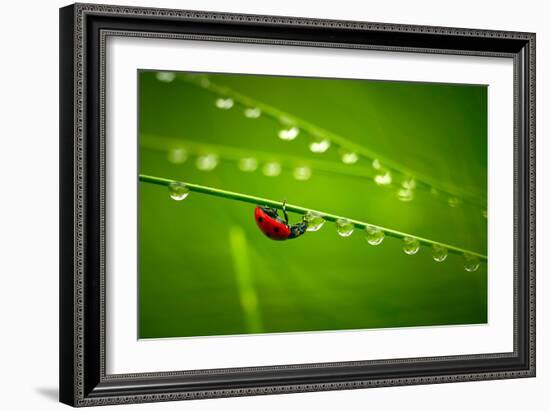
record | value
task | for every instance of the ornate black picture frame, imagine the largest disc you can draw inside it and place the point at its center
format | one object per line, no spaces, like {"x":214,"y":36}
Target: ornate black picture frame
{"x":83,"y":30}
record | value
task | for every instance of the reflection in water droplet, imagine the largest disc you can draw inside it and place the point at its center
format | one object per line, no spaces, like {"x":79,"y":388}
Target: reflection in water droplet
{"x":178,"y":191}
{"x":410,"y":245}
{"x":288,"y":134}
{"x":349,"y":157}
{"x":224,"y":103}
{"x":374,"y":235}
{"x":207,"y":162}
{"x":248,"y":164}
{"x":252,"y":112}
{"x":439,"y":253}
{"x":271,"y":169}
{"x":344,"y":227}
{"x":383,"y":179}
{"x":453,"y":202}
{"x":314,"y":221}
{"x":302,"y":173}
{"x":177,"y":155}
{"x":165,"y":76}
{"x":319,"y":146}
{"x":405,"y":194}
{"x":471,"y":262}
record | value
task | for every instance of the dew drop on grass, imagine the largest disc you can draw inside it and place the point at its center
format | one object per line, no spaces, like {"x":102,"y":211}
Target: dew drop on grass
{"x":224,"y":103}
{"x":410,"y":245}
{"x":344,"y":227}
{"x":177,"y":156}
{"x":409,"y":183}
{"x":484,"y":213}
{"x":453,"y":202}
{"x":207,"y":162}
{"x":178,"y":191}
{"x":383,"y":178}
{"x":248,"y":164}
{"x":349,"y":157}
{"x":252,"y":112}
{"x":319,"y":145}
{"x":302,"y":173}
{"x":439,"y":253}
{"x":289,"y":134}
{"x":471,"y":262}
{"x":376,"y":164}
{"x":314,"y":221}
{"x":405,"y":194}
{"x":272,"y":169}
{"x":374,"y":235}
{"x":165,"y":76}
{"x":204,"y":82}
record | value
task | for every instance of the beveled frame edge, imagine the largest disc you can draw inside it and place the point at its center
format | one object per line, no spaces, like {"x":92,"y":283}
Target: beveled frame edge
{"x":73,"y":192}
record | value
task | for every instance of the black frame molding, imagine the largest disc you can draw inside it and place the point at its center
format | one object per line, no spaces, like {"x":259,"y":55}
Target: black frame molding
{"x":83,"y":32}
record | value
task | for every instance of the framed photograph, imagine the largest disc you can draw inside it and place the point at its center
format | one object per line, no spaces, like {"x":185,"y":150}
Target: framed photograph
{"x":260,"y":204}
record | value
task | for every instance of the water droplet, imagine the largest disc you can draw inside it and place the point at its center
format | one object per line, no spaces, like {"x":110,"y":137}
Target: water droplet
{"x":434,"y":191}
{"x":319,"y":145}
{"x":177,"y":155}
{"x":302,"y":173}
{"x":453,"y":202}
{"x":376,"y":164}
{"x":383,"y":179}
{"x":409,"y":183}
{"x":207,"y":162}
{"x":272,"y":169}
{"x":471,"y":262}
{"x":248,"y":164}
{"x":289,"y":134}
{"x":314,"y":221}
{"x":224,"y":103}
{"x":439,"y":253}
{"x":410,"y":245}
{"x":484,"y":213}
{"x":344,"y":227}
{"x":178,"y":191}
{"x":374,"y":235}
{"x":349,"y":157}
{"x":165,"y":76}
{"x":252,"y":112}
{"x":405,"y":194}
{"x":204,"y":82}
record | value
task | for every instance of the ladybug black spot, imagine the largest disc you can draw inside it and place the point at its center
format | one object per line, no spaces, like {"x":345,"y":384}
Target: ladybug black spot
{"x":260,"y":219}
{"x":276,"y":229}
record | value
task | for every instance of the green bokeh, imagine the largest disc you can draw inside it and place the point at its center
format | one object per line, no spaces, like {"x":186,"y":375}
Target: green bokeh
{"x":206,"y":269}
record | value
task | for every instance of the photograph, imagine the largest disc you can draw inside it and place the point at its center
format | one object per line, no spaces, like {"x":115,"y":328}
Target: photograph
{"x":283,"y":204}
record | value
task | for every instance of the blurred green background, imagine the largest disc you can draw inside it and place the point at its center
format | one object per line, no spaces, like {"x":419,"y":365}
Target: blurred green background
{"x":206,"y":269}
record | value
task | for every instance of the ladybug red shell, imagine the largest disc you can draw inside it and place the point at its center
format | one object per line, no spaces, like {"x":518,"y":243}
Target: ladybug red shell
{"x":275,"y":227}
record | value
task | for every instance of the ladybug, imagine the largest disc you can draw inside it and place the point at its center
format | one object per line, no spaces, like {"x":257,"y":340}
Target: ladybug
{"x":275,"y":227}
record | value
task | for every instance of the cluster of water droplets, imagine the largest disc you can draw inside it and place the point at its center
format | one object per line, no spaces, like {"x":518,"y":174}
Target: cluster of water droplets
{"x":318,"y":144}
{"x":289,"y":130}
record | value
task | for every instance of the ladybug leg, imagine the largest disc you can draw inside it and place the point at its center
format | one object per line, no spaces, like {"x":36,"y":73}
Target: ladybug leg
{"x":284,"y":212}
